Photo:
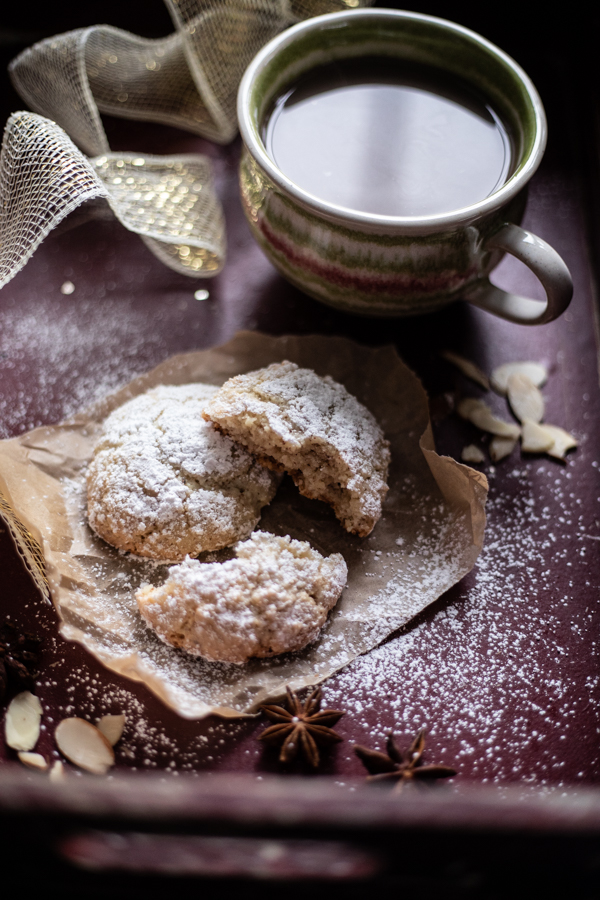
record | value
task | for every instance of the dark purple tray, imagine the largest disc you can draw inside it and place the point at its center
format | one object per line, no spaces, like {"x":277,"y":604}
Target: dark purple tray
{"x":502,"y":671}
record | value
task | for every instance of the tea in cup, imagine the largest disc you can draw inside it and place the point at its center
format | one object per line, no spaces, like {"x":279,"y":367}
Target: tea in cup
{"x":386,"y":161}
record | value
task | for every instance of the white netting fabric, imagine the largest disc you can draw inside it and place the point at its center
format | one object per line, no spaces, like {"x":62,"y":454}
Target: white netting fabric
{"x":188,"y":79}
{"x":168,"y":200}
{"x":43,"y":177}
{"x":27,"y":547}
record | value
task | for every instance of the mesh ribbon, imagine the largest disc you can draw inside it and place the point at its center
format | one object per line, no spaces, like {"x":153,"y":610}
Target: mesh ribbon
{"x":168,"y":200}
{"x":27,"y":547}
{"x":188,"y":79}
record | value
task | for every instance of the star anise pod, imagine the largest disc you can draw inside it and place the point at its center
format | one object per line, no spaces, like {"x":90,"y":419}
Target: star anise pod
{"x":301,"y":726}
{"x":398,"y":766}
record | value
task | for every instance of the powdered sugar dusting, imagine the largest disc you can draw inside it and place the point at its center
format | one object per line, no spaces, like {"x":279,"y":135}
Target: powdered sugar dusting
{"x":419,"y":548}
{"x":164,"y":483}
{"x":52,"y":354}
{"x":273,"y":598}
{"x":387,"y":587}
{"x":494,"y":676}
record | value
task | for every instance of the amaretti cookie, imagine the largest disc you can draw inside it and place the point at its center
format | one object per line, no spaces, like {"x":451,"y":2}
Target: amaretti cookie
{"x":163,"y":483}
{"x":296,"y":421}
{"x":272,"y":598}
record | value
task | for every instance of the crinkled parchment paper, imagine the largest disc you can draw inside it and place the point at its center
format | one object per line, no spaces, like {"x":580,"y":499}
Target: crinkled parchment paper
{"x":429,"y":536}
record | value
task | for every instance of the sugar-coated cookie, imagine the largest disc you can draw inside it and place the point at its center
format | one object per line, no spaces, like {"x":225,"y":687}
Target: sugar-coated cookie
{"x":296,"y":421}
{"x":272,"y":598}
{"x":164,"y":483}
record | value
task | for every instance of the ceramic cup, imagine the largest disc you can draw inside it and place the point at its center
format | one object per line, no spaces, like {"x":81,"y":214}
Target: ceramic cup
{"x":398,"y":265}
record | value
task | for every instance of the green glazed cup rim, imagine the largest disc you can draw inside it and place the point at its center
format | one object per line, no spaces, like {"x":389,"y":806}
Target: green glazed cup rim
{"x":252,"y":102}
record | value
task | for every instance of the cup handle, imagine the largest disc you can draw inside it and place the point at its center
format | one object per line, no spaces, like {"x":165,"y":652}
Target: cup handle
{"x":543,"y":261}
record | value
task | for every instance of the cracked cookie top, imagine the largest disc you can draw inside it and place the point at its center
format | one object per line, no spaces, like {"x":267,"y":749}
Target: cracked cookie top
{"x":163,"y":483}
{"x":310,"y":426}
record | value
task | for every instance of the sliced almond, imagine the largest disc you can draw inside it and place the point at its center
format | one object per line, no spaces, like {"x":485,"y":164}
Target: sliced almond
{"x":466,"y":406}
{"x":536,"y":372}
{"x":33,"y":760}
{"x":467,"y":367}
{"x":84,"y":745}
{"x":535,"y":438}
{"x":525,"y":399}
{"x":500,"y":447}
{"x":479,"y":413}
{"x":57,"y":772}
{"x":472,"y":454}
{"x":22,"y":723}
{"x":112,"y":728}
{"x":562,"y":441}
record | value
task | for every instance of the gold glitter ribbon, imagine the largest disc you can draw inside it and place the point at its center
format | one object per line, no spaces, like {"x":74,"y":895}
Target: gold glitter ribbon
{"x":168,"y":200}
{"x":188,"y":79}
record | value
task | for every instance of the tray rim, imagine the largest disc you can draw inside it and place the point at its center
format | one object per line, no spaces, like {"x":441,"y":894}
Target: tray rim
{"x":297,"y":803}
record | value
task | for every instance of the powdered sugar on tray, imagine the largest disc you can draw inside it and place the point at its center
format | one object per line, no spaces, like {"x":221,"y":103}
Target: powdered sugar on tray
{"x":52,"y":355}
{"x":495,"y":676}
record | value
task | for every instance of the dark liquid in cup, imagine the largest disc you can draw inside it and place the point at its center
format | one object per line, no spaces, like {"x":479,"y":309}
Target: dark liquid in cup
{"x":380,"y":136}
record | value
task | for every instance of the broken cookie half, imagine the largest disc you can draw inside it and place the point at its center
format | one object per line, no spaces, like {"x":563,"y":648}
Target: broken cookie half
{"x":309,"y":426}
{"x":273,"y":598}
